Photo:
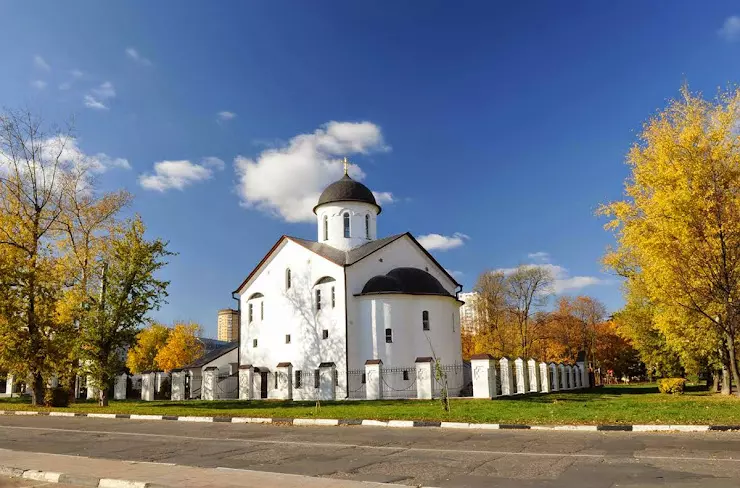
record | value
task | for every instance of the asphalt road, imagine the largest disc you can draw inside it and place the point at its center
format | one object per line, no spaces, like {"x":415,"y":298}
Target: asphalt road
{"x":430,"y":457}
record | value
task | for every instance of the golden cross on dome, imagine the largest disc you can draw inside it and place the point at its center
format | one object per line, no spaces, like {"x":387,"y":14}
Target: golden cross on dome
{"x":346,"y":166}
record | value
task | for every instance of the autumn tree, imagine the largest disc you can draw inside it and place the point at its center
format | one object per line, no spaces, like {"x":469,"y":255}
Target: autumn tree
{"x":149,"y":341}
{"x":680,"y":221}
{"x":36,"y":169}
{"x":529,"y":288}
{"x":182,"y":348}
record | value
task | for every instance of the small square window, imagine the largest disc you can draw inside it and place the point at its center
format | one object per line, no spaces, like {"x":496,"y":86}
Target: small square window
{"x":388,"y":336}
{"x":254,"y":343}
{"x":287,"y":338}
{"x":325,"y":334}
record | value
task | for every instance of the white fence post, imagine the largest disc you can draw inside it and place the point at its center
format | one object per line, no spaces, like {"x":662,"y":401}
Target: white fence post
{"x":583,"y":363}
{"x":92,"y":390}
{"x":534,"y":376}
{"x":522,"y":380}
{"x":563,"y":376}
{"x":9,"y":383}
{"x":555,"y":377}
{"x":246,"y":382}
{"x":374,"y":379}
{"x":571,"y":377}
{"x":284,"y":375}
{"x":483,"y":367}
{"x":178,"y":385}
{"x":544,"y":378}
{"x":119,"y":390}
{"x":210,"y":376}
{"x":147,"y":386}
{"x":424,"y":378}
{"x":327,"y":381}
{"x":507,"y":380}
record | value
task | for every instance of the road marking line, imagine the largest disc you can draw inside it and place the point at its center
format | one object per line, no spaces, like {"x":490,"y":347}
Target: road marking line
{"x":377,"y":448}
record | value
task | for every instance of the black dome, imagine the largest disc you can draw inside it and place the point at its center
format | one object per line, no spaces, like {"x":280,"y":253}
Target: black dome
{"x":346,"y":190}
{"x":411,"y":281}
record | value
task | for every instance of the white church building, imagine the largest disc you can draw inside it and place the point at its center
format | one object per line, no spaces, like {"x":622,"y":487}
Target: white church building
{"x":343,"y":300}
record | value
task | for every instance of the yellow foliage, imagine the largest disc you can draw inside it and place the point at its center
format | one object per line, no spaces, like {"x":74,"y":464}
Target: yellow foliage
{"x":149,"y":342}
{"x":678,"y":230}
{"x":182,"y":348}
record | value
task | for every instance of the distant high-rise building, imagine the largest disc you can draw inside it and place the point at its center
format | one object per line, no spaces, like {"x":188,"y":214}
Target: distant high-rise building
{"x":228,"y":325}
{"x":468,"y":312}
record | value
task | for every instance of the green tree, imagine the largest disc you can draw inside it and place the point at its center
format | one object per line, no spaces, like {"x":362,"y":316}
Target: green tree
{"x":129,"y":290}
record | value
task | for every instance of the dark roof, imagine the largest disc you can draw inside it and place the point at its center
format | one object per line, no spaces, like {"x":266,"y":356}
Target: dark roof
{"x":344,"y":258}
{"x":210,"y":356}
{"x":346,"y":190}
{"x":406,"y":281}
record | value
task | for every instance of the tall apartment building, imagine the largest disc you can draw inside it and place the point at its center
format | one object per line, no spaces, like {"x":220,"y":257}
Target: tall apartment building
{"x":468,"y":312}
{"x":228,"y":325}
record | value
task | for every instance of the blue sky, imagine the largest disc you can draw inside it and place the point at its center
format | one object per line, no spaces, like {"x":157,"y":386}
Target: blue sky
{"x":500,"y":128}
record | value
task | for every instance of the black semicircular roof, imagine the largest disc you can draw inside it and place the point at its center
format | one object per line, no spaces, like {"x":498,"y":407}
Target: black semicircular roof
{"x":346,"y":190}
{"x":412,"y":281}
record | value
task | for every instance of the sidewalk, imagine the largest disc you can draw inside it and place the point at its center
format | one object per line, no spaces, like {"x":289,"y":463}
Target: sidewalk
{"x":168,"y":475}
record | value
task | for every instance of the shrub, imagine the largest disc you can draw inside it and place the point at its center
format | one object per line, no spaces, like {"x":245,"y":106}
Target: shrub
{"x":671,"y":385}
{"x":56,"y":397}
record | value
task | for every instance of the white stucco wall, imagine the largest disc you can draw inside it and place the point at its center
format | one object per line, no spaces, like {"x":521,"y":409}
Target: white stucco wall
{"x":369,"y":316}
{"x":223,"y":362}
{"x":293,"y":312}
{"x":335,"y":214}
{"x":403,"y":315}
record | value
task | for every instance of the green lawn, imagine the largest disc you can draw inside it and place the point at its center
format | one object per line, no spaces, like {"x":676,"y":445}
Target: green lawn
{"x":608,"y":405}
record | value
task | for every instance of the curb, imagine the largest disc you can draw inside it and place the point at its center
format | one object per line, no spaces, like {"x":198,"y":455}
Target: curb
{"x":387,"y":423}
{"x":79,"y":480}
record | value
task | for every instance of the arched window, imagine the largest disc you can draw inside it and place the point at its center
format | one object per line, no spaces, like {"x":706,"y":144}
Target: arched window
{"x":425,"y":320}
{"x":367,"y":226}
{"x":326,"y":228}
{"x":287,"y":279}
{"x":345,"y":217}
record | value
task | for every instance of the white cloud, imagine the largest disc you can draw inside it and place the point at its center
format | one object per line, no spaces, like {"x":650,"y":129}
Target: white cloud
{"x":286,"y":180}
{"x":442,"y":243}
{"x":539,"y":256}
{"x":383,"y":197}
{"x":76,"y":73}
{"x":562,"y":281}
{"x":65,"y":86}
{"x":134,"y":55}
{"x":225,"y":116}
{"x":94,"y":103}
{"x":105,"y":90}
{"x":41,"y":63}
{"x":38,"y":84}
{"x":97,"y":96}
{"x":69,"y":152}
{"x":179,"y":174}
{"x":730,"y":30}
